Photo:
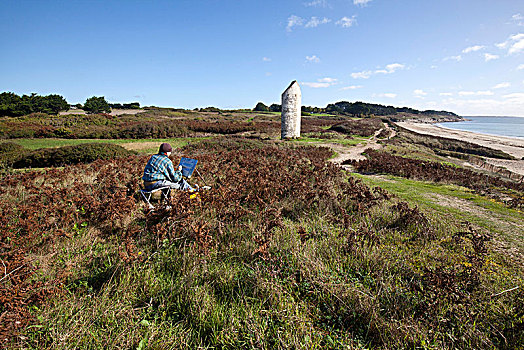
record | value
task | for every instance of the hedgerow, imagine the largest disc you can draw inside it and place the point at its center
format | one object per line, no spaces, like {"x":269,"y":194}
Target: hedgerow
{"x":383,"y":162}
{"x":67,"y":155}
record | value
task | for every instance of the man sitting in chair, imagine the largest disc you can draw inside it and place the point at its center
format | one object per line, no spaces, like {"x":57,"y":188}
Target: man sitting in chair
{"x":160,"y":172}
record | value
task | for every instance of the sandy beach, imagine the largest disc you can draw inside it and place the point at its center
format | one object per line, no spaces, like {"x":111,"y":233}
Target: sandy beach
{"x":512,"y":146}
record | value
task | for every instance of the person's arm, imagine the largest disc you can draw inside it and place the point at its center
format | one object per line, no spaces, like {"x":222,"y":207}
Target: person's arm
{"x":174,"y":176}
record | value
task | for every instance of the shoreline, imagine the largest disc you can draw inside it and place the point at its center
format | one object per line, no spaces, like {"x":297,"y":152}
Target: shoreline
{"x":511,"y":145}
{"x":443,"y":125}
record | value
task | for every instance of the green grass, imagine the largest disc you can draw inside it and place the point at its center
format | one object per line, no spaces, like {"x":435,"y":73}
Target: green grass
{"x":482,"y":211}
{"x":322,"y":115}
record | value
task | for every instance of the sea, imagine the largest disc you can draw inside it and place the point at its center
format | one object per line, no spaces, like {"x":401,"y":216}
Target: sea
{"x":500,"y":126}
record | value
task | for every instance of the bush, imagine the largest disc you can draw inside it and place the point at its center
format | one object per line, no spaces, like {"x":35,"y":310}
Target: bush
{"x":83,"y":153}
{"x":97,"y":105}
{"x":362,"y":127}
{"x":9,"y":152}
{"x":10,"y":147}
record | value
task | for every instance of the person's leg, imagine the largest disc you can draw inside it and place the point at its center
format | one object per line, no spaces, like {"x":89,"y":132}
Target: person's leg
{"x":185,"y":186}
{"x":164,"y":183}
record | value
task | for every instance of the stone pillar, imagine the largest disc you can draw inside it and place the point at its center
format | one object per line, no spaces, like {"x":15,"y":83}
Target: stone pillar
{"x":291,"y":111}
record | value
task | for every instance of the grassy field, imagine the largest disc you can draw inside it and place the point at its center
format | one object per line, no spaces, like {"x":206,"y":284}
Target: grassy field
{"x":285,"y":251}
{"x":140,"y":145}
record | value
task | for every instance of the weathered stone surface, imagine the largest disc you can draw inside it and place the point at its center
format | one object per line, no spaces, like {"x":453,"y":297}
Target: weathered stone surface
{"x":291,"y":111}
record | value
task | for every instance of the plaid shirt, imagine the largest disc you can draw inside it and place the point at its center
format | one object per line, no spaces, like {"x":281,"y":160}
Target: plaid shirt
{"x":159,"y":167}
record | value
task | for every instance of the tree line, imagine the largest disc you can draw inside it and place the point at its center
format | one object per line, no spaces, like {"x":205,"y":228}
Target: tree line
{"x":355,"y":109}
{"x":13,"y":105}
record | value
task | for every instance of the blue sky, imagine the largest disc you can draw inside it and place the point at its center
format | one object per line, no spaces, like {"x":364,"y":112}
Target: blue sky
{"x":465,"y":56}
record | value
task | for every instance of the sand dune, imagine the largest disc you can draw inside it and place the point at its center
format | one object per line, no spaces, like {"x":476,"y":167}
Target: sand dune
{"x":510,"y":145}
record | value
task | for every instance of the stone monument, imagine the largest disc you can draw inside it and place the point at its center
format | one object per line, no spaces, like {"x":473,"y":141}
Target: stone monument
{"x":291,"y":111}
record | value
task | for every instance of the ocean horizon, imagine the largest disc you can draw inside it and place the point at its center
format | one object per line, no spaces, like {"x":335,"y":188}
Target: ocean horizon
{"x":498,"y":126}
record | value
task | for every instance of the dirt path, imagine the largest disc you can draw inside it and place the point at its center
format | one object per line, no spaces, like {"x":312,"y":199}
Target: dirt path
{"x":354,"y":152}
{"x":510,"y":243}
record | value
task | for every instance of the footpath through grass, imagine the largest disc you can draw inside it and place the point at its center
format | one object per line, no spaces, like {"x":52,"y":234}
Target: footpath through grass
{"x":458,"y":202}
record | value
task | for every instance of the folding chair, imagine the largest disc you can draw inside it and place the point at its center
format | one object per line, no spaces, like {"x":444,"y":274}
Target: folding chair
{"x":165,"y":191}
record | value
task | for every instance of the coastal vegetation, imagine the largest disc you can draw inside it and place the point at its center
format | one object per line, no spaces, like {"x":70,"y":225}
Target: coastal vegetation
{"x":407,"y":249}
{"x":13,"y":105}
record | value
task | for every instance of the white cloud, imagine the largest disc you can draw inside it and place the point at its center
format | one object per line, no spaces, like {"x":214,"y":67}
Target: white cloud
{"x":502,"y":85}
{"x":346,"y":22}
{"x":352,"y":87}
{"x":328,"y":80}
{"x":387,"y":94}
{"x":446,"y":94}
{"x":518,"y":19}
{"x":518,"y":44}
{"x":322,"y":83}
{"x":294,"y":21}
{"x":485,"y":93}
{"x":317,"y":85}
{"x":514,"y":44}
{"x":457,"y":58}
{"x":489,"y":57}
{"x":361,"y":2}
{"x":475,"y":93}
{"x":511,"y":104}
{"x":473,"y":48}
{"x":316,"y":3}
{"x":315,"y":22}
{"x":520,"y":67}
{"x":266,"y":59}
{"x":312,"y":59}
{"x":361,"y":75}
{"x":389,"y":69}
{"x":419,"y":93}
{"x":517,"y":97}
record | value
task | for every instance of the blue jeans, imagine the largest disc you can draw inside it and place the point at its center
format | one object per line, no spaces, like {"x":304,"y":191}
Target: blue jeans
{"x":183,"y":185}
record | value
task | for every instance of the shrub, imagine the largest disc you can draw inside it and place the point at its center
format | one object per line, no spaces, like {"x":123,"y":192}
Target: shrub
{"x":83,"y":153}
{"x":9,"y":152}
{"x":383,"y":162}
{"x":10,"y":147}
{"x":361,"y":127}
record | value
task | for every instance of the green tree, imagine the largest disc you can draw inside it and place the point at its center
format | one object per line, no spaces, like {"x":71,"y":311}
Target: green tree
{"x":275,"y":108}
{"x":260,"y":107}
{"x":8,"y":103}
{"x":96,"y":105}
{"x":53,"y":104}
